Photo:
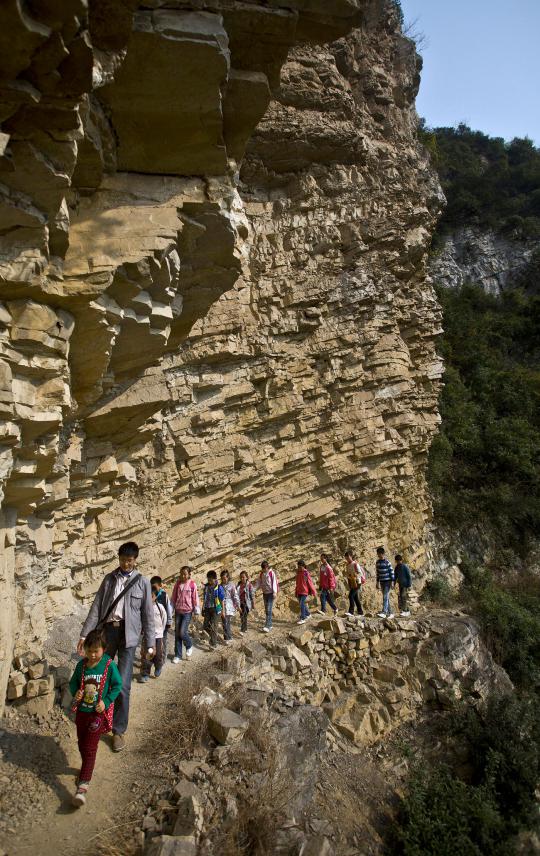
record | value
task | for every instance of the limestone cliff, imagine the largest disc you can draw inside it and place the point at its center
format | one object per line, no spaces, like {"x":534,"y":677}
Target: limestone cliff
{"x":217,"y":337}
{"x":479,"y":255}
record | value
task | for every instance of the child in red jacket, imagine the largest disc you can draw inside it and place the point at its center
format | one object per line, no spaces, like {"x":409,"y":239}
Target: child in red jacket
{"x":304,"y":587}
{"x":327,"y":584}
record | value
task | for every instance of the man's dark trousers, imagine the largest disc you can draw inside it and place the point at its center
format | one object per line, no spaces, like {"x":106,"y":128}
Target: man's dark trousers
{"x":116,"y":646}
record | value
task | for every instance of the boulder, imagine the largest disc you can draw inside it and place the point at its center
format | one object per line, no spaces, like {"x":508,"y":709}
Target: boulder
{"x":38,"y":670}
{"x":317,"y":845}
{"x":225,"y":725}
{"x":190,"y":817}
{"x":207,"y":698}
{"x":169,"y":845}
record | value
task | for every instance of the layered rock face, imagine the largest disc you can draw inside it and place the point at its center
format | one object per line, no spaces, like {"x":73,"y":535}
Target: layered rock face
{"x":217,"y":337}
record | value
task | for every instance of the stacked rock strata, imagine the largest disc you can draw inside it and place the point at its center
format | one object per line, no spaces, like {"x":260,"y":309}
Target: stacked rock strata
{"x":369,"y":676}
{"x":215,"y":329}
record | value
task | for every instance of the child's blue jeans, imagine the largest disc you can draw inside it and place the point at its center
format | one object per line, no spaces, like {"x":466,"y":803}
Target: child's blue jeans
{"x":268,"y":606}
{"x":327,"y":595}
{"x":181,"y":627}
{"x":385,"y":588}
{"x":304,"y":611}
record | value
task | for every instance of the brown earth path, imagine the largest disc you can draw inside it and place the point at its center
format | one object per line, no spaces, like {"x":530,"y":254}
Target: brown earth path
{"x":122,"y":782}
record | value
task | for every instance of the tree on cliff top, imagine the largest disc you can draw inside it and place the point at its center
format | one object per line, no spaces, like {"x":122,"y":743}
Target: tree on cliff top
{"x":487,"y":182}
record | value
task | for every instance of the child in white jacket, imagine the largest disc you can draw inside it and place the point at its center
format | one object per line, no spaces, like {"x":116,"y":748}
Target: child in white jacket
{"x":231,"y":603}
{"x":160,"y":622}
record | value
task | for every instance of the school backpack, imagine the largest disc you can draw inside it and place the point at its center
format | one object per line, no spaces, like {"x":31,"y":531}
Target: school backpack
{"x":360,"y":573}
{"x":211,"y":599}
{"x":102,"y":722}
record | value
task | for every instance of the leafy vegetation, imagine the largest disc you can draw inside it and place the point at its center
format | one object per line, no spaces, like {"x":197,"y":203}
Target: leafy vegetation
{"x":444,"y":815}
{"x":438,"y":590}
{"x":509,"y":614}
{"x":484,"y":469}
{"x":485,"y":463}
{"x":487,"y":182}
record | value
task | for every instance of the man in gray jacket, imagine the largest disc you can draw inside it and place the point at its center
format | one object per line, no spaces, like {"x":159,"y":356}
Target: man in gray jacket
{"x":123,"y":624}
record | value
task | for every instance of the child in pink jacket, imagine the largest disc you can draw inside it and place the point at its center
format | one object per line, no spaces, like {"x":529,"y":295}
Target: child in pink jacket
{"x":327,"y":584}
{"x":185,"y":602}
{"x":304,"y":587}
{"x":268,"y":584}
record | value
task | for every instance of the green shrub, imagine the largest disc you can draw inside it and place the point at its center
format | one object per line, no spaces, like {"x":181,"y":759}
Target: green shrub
{"x":503,"y":744}
{"x":443,"y":816}
{"x":511,"y":630}
{"x":439,"y":591}
{"x":487,"y":182}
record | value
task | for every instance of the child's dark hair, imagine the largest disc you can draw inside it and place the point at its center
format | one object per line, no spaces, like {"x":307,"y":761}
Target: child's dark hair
{"x":398,"y":558}
{"x":156,"y":581}
{"x":324,"y":556}
{"x":265,"y":565}
{"x":129,"y":549}
{"x":301,"y":563}
{"x":185,"y":568}
{"x":350,"y":552}
{"x":211,"y":575}
{"x":224,"y":571}
{"x":381,"y":550}
{"x":95,"y":639}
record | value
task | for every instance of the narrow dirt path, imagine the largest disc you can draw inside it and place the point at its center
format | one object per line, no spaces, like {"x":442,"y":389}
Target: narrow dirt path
{"x":122,"y":782}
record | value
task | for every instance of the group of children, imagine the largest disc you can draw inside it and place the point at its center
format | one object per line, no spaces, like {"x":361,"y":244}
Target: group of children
{"x":96,"y":681}
{"x":223,"y":599}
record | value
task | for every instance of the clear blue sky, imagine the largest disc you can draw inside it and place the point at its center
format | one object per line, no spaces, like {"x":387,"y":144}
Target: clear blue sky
{"x":481,"y":64}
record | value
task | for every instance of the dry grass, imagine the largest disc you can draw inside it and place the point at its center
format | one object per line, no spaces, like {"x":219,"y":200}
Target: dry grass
{"x":262,"y":798}
{"x":182,"y":724}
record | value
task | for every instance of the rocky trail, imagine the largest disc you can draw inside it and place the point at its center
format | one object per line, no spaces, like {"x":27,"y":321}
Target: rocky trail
{"x":313,"y":704}
{"x":38,"y":770}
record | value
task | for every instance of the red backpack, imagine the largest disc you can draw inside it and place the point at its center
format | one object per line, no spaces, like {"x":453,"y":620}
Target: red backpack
{"x":106,"y":718}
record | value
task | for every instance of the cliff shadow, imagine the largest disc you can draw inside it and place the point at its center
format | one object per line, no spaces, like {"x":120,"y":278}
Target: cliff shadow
{"x":41,"y":756}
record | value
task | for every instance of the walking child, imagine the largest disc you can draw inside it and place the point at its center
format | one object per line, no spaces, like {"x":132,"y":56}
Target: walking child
{"x":163,"y":599}
{"x":94,"y":685}
{"x":185,"y":602}
{"x":385,"y":580}
{"x":402,"y":575}
{"x":269,"y":585}
{"x":231,"y":602}
{"x":156,"y":657}
{"x":246,"y":595}
{"x":304,"y":587}
{"x":327,"y":584}
{"x":356,"y":577}
{"x":213,"y":597}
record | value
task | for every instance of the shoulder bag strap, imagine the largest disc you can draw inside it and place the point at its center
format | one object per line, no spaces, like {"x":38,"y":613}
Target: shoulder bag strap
{"x":119,"y":598}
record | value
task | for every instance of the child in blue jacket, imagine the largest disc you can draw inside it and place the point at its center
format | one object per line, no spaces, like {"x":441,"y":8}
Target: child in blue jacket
{"x":402,"y":574}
